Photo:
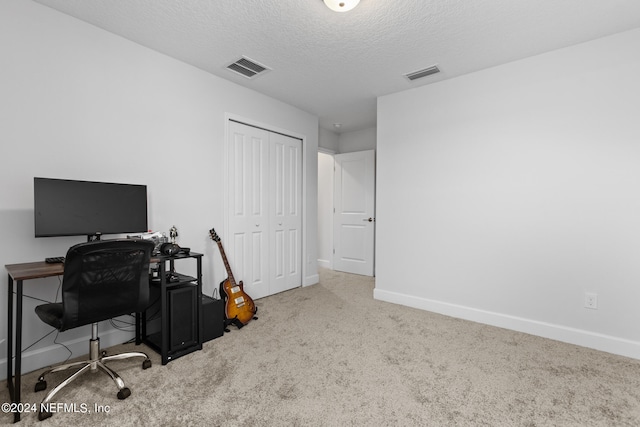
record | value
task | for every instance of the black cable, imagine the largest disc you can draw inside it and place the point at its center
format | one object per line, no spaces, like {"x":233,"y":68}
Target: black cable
{"x":34,"y":343}
{"x":156,"y":313}
{"x":62,"y":344}
{"x":43,"y":300}
{"x":59,"y":287}
{"x":53,"y":330}
{"x":35,"y":298}
{"x":120,"y":327}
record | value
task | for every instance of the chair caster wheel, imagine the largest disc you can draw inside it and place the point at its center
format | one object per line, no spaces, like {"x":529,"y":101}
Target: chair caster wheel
{"x":40,"y":385}
{"x":44,"y":415}
{"x":146,"y":364}
{"x":124,"y":393}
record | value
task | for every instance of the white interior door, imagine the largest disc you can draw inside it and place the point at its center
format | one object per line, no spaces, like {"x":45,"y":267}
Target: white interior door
{"x":265,"y":209}
{"x":354,"y":218}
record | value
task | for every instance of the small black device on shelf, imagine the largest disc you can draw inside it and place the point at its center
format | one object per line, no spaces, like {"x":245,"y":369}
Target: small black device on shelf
{"x":169,"y":249}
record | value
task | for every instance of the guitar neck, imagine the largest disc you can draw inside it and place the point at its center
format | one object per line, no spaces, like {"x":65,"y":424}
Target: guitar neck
{"x":226,"y":264}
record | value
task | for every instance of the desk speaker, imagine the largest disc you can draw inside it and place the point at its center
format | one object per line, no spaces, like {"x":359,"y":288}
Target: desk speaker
{"x":212,"y":318}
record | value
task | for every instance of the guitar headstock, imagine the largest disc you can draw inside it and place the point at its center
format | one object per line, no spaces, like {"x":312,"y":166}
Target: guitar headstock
{"x":214,"y":235}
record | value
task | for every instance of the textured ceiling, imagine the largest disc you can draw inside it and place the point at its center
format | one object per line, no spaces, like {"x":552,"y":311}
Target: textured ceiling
{"x":334,"y":65}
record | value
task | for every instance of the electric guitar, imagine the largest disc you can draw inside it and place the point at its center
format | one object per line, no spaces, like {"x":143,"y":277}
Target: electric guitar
{"x":239,"y":307}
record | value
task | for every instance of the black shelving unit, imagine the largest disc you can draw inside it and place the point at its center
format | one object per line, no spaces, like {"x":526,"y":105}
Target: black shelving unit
{"x":171,"y":325}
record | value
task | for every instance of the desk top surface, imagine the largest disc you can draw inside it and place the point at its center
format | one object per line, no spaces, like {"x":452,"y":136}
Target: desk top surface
{"x":40,"y":269}
{"x":34,"y":270}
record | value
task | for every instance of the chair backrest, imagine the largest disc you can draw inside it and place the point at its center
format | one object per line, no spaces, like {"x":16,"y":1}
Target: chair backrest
{"x":105,"y":279}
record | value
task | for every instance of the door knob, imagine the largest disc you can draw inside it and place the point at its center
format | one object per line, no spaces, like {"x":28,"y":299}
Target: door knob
{"x":368,"y":220}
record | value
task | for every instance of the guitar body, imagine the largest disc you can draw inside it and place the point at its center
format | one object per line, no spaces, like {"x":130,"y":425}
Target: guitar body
{"x":239,"y":308}
{"x":238,"y":305}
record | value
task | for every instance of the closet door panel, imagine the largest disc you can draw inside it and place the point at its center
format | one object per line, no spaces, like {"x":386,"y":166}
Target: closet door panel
{"x":248,"y":197}
{"x":286,"y":217}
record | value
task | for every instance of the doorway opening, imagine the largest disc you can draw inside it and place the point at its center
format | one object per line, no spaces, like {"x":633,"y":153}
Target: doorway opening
{"x":346,"y":212}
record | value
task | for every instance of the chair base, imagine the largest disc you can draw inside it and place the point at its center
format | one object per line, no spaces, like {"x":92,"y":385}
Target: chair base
{"x":95,"y":362}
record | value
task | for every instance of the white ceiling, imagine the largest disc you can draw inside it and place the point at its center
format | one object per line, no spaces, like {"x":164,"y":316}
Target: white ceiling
{"x":334,"y":65}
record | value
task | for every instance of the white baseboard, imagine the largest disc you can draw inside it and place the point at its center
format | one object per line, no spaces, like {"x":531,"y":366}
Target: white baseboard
{"x":55,"y":353}
{"x":606,"y":343}
{"x":311,"y":280}
{"x":325,"y":263}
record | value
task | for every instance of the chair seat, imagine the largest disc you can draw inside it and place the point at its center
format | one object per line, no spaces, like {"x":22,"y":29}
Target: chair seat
{"x":50,"y":314}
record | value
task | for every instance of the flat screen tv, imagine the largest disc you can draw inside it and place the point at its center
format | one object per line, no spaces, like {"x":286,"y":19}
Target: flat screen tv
{"x":65,"y":207}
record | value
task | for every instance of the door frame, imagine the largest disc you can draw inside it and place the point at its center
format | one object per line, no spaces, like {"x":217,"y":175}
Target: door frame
{"x":229,"y":117}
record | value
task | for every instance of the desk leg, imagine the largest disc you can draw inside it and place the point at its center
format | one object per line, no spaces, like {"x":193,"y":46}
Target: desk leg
{"x":13,"y":378}
{"x":10,"y":339}
{"x":199,"y":305}
{"x":164,"y":322}
{"x":18,"y":361}
{"x":138,"y":326}
{"x":143,"y":326}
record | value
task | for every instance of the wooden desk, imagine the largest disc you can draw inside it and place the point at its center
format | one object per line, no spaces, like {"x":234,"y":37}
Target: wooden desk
{"x":19,"y":273}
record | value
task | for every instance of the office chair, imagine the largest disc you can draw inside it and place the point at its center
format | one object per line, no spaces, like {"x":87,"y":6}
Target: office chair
{"x":102,"y":280}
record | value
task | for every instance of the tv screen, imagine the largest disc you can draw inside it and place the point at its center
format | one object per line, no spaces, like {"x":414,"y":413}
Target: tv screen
{"x":73,"y":208}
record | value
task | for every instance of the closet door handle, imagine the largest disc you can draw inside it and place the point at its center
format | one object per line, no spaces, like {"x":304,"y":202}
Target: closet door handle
{"x":368,"y":220}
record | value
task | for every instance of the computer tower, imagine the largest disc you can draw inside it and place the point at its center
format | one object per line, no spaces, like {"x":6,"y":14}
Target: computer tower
{"x":212,"y":318}
{"x":182,"y":316}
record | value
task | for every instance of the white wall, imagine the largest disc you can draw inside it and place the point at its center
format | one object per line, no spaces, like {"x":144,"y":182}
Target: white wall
{"x":505,"y":195}
{"x":327,"y":140}
{"x":360,"y":140}
{"x":325,"y":210}
{"x":80,"y":103}
{"x":327,"y":146}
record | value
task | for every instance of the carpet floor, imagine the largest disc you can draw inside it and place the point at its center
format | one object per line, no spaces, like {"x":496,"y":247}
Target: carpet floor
{"x":331,"y":355}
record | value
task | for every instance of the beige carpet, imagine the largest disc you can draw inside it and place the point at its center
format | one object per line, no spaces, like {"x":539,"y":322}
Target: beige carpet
{"x":330,"y":355}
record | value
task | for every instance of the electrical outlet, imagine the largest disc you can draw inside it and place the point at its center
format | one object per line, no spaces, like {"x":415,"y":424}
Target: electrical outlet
{"x":591,"y":300}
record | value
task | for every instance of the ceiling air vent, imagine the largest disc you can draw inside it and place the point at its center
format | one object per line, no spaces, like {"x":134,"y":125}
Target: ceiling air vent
{"x":247,"y":67}
{"x":422,"y":73}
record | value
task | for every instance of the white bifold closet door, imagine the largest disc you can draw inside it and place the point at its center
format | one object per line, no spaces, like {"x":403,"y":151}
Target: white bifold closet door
{"x":264,"y":243}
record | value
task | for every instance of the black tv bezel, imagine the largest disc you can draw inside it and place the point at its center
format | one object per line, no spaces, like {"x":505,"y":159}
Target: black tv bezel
{"x":91,"y":234}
